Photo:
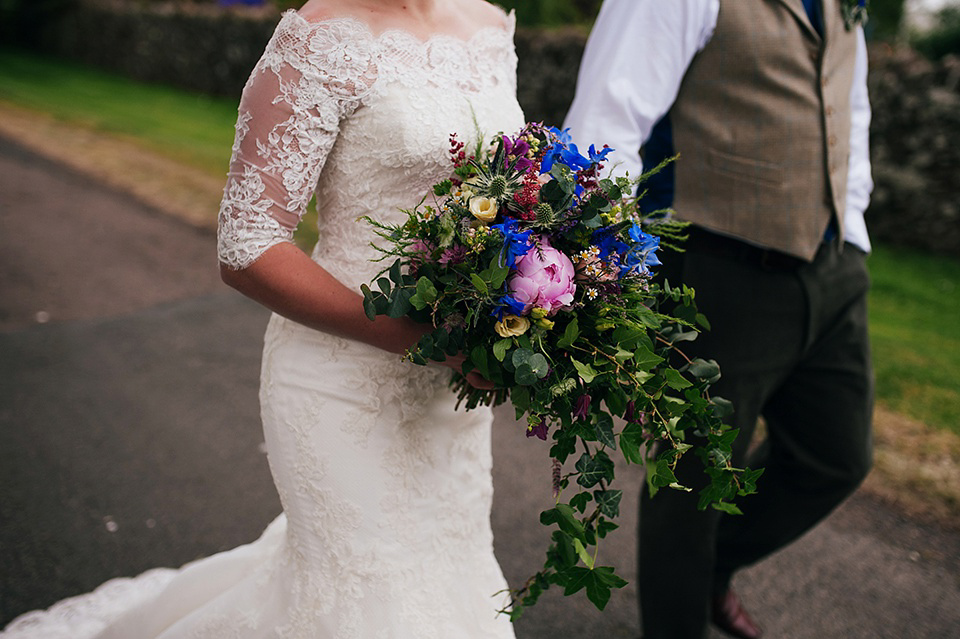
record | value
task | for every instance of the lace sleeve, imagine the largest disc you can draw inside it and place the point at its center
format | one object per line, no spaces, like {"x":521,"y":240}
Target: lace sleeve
{"x":311,"y":76}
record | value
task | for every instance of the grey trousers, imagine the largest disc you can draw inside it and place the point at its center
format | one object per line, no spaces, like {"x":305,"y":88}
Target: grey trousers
{"x":793,"y":348}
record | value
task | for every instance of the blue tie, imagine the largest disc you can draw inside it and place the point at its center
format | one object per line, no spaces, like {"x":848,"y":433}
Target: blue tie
{"x":814,"y":13}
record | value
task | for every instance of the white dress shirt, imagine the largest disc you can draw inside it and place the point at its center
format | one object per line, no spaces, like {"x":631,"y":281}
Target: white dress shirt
{"x":632,"y":68}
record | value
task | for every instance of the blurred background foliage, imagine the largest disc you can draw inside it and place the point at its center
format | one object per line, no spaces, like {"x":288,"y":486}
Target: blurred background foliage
{"x":944,"y":38}
{"x":21,"y":20}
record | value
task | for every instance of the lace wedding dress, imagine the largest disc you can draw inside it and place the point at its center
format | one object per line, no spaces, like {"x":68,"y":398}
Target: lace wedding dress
{"x":386,"y":492}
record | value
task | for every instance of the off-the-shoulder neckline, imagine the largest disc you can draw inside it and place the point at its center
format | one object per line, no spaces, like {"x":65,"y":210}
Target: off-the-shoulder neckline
{"x":506,"y":29}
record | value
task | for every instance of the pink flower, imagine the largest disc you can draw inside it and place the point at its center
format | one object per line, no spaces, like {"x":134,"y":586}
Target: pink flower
{"x":544,"y":279}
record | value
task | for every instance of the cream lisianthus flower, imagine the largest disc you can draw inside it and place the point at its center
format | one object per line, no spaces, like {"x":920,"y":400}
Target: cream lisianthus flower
{"x":512,"y":326}
{"x":484,"y":208}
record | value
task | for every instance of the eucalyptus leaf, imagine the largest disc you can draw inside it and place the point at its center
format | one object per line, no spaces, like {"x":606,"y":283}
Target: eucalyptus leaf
{"x":705,"y":369}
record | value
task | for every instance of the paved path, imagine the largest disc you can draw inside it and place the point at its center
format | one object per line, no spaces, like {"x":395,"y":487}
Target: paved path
{"x":129,"y":438}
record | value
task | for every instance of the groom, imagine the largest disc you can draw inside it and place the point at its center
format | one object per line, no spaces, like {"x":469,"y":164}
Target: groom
{"x":766,"y":103}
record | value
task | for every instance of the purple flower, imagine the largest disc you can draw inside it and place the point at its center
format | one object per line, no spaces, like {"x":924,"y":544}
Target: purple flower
{"x":456,"y":254}
{"x":517,"y":149}
{"x":581,"y":408}
{"x":544,"y":278}
{"x":538,"y":430}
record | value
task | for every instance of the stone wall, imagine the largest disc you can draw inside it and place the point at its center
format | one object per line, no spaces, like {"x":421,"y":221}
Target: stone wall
{"x":915,"y":149}
{"x":915,"y":134}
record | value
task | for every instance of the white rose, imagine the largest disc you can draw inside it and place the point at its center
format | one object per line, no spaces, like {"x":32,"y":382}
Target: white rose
{"x":511,"y":326}
{"x":484,"y":209}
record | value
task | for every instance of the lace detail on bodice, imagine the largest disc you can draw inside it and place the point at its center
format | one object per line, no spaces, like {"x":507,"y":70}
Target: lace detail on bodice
{"x":373,"y":110}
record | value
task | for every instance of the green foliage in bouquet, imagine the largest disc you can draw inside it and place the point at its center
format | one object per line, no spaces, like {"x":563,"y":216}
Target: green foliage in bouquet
{"x":540,"y":272}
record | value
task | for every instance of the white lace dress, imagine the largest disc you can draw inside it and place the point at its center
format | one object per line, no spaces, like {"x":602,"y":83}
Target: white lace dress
{"x":386,"y":491}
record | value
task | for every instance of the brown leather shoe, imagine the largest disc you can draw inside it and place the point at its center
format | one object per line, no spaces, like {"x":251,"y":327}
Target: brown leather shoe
{"x":730,"y":617}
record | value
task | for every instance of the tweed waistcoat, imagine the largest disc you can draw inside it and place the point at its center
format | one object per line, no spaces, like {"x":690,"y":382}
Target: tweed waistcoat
{"x":762,"y":126}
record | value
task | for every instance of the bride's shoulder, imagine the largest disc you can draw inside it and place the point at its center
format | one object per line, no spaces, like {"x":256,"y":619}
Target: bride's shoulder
{"x":486,"y":14}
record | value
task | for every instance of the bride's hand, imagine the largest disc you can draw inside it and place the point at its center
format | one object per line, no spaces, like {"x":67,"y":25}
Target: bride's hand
{"x":414,"y":331}
{"x":473,"y":378}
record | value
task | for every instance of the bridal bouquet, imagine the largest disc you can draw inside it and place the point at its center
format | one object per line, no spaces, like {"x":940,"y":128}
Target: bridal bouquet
{"x":539,"y":271}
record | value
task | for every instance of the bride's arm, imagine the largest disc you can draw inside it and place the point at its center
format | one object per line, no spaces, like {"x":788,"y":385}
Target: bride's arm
{"x":289,"y":118}
{"x":288,"y":282}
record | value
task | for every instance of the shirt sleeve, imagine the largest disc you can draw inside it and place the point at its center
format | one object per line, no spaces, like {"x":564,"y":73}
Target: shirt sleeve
{"x":289,"y":118}
{"x":630,"y":74}
{"x":859,"y":180}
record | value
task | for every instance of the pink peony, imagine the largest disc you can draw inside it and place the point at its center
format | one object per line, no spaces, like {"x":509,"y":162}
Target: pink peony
{"x":544,"y":279}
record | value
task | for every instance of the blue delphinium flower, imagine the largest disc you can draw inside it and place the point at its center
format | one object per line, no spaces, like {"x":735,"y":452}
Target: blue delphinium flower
{"x":563,"y":151}
{"x":516,"y":243}
{"x":606,"y":240}
{"x":598,"y":156}
{"x":507,"y":304}
{"x":642,"y":255}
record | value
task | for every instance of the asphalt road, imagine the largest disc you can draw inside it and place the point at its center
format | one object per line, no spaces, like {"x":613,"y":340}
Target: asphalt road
{"x":129,"y":438}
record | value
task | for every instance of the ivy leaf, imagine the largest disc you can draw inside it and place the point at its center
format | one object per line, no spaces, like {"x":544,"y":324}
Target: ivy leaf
{"x":563,"y":516}
{"x":631,"y":440}
{"x":598,"y":582}
{"x":478,"y":357}
{"x":604,"y":527}
{"x":426,"y":290}
{"x":727,"y":507}
{"x":661,"y":474}
{"x":501,"y":347}
{"x":586,"y":371}
{"x":570,"y":335}
{"x":604,"y":429}
{"x":675,"y":380}
{"x":580,"y":501}
{"x":594,"y":469}
{"x":616,"y":400}
{"x":583,"y":554}
{"x":645,"y":358}
{"x":609,"y":502}
{"x":748,"y":481}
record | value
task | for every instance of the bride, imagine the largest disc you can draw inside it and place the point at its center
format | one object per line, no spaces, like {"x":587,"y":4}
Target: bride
{"x":386,"y":492}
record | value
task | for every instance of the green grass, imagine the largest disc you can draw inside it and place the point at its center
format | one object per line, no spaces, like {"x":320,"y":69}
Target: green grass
{"x":915,"y":334}
{"x":193,"y":129}
{"x":914,"y":303}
